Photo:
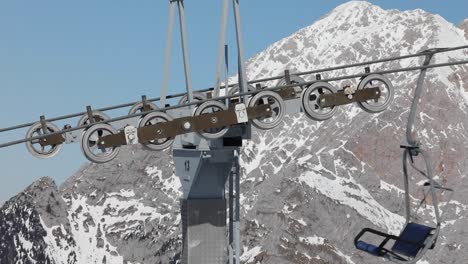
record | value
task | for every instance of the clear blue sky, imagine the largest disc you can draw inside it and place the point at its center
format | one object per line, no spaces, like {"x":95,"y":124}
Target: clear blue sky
{"x":56,"y":57}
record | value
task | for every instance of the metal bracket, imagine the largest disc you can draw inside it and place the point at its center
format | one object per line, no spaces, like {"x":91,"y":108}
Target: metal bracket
{"x":43,"y":125}
{"x":89,"y":112}
{"x":342,"y":98}
{"x":413,"y":151}
{"x":146,"y":106}
{"x":287,"y":93}
{"x":287,"y":77}
{"x":186,"y":125}
{"x":241,"y":113}
{"x":49,"y":140}
{"x":131,"y":135}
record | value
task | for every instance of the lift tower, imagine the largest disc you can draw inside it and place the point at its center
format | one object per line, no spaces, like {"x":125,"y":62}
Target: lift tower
{"x":204,"y":161}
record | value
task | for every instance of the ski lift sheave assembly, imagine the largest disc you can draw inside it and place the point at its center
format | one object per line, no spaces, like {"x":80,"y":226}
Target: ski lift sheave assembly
{"x":206,"y":130}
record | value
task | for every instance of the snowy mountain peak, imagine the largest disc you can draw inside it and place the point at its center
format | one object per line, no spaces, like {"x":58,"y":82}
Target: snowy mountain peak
{"x":357,"y":31}
{"x":356,"y":8}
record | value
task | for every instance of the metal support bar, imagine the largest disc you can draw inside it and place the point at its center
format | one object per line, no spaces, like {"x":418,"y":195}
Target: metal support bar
{"x":167,"y":54}
{"x":195,"y":124}
{"x":145,"y":105}
{"x":414,"y":105}
{"x":287,"y":77}
{"x":240,"y":51}
{"x":413,"y":142}
{"x":89,"y":112}
{"x":43,"y":125}
{"x":237,"y":212}
{"x":185,"y":51}
{"x":221,"y":50}
{"x":340,"y":98}
{"x":231,"y":206}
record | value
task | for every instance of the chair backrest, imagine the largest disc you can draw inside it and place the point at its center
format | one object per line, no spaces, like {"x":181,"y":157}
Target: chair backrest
{"x":412,"y":239}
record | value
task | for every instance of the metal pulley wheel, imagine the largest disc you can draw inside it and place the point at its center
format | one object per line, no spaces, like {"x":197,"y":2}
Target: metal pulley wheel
{"x":35,"y":148}
{"x":294,"y":80}
{"x":277,"y":109}
{"x":208,"y":108}
{"x":310,"y":101}
{"x":89,"y":144}
{"x":153,"y":119}
{"x":97,"y":115}
{"x":139,"y":108}
{"x":387,"y":93}
{"x":196,"y":97}
{"x":235,"y":90}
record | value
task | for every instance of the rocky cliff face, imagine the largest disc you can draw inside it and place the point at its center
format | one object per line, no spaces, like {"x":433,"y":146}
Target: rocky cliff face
{"x":308,"y":187}
{"x":464,"y":26}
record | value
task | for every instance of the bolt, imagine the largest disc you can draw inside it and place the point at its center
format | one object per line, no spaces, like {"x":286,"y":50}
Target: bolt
{"x":187,"y":125}
{"x":214,"y":120}
{"x":350,"y":96}
{"x":159,"y":131}
{"x":268,"y":109}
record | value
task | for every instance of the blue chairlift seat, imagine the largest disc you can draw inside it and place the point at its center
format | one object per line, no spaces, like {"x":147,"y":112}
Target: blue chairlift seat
{"x":412,"y":239}
{"x":406,"y":246}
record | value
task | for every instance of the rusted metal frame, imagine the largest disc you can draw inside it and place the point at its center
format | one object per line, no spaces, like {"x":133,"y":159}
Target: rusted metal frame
{"x":340,"y":98}
{"x":54,"y":139}
{"x":176,"y":127}
{"x":179,"y":126}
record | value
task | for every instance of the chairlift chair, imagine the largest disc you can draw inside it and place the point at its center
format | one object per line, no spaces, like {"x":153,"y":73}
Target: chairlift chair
{"x":415,"y":239}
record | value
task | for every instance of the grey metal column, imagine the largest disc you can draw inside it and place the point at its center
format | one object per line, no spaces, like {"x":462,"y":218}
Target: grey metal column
{"x":221,"y":48}
{"x":167,"y":55}
{"x":203,"y":175}
{"x":240,"y":51}
{"x":237,"y":212}
{"x":185,"y":51}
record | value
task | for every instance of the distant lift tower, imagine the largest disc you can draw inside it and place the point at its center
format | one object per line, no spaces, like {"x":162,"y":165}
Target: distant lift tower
{"x":204,"y":161}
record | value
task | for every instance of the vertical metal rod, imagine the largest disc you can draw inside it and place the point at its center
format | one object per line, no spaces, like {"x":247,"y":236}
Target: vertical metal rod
{"x":231,"y":214}
{"x":414,"y":105}
{"x":222,"y":42}
{"x":432,"y":183}
{"x":167,"y":55}
{"x":185,"y":51}
{"x":226,"y":76}
{"x":231,"y":205}
{"x":240,"y":51}
{"x":231,"y":256}
{"x":43,"y":124}
{"x":89,"y":111}
{"x":237,"y":215}
{"x":406,"y":183}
